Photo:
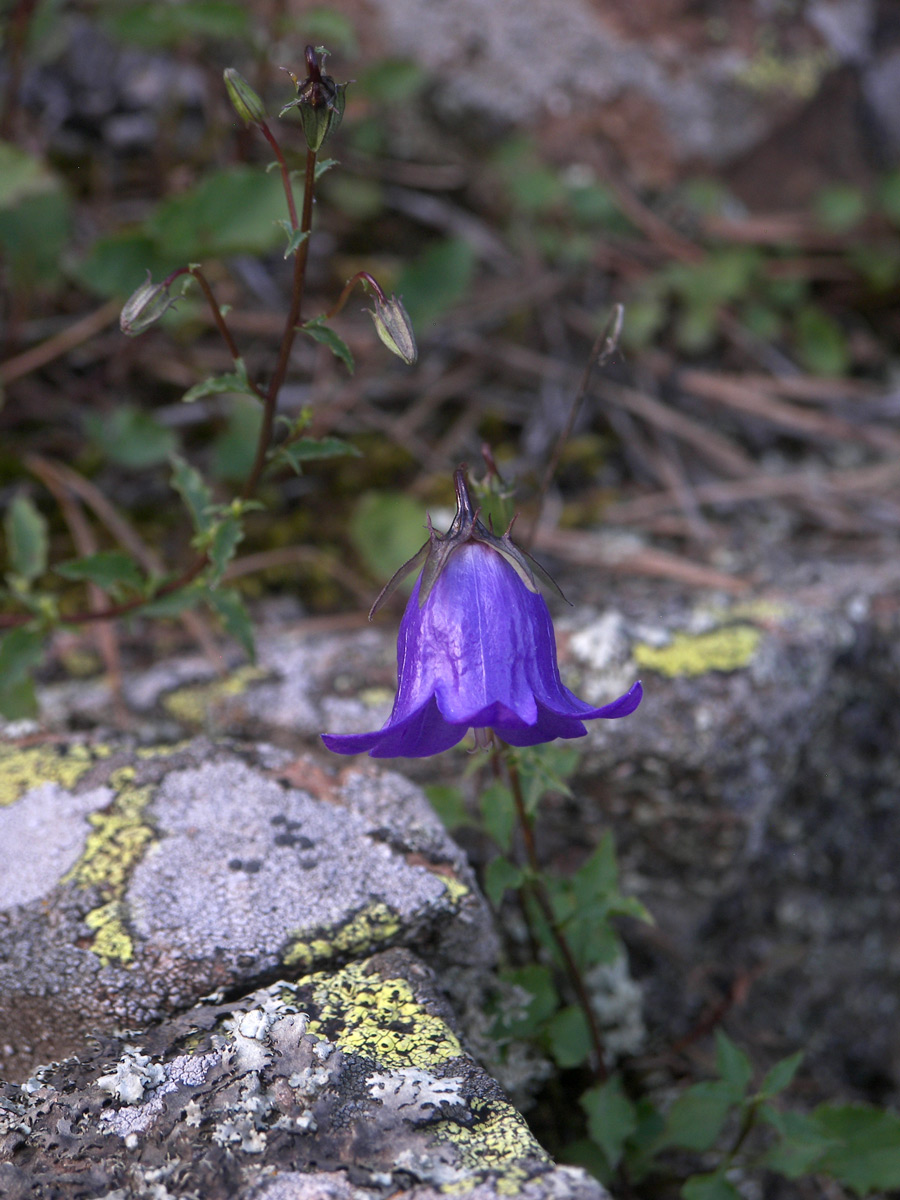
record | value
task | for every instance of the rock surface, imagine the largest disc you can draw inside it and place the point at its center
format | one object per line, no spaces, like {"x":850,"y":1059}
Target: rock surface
{"x":342,"y":1085}
{"x":133,"y":881}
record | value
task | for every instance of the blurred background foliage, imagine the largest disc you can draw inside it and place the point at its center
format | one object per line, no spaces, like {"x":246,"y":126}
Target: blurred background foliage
{"x":120,"y":155}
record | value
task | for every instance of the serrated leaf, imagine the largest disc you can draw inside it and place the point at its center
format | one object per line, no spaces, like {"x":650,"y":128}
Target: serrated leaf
{"x":194,"y":491}
{"x":801,"y":1142}
{"x":26,"y":538}
{"x":107,"y":569}
{"x":227,"y":534}
{"x":500,"y":875}
{"x":235,"y":619}
{"x":569,"y":1037}
{"x":733,"y":1065}
{"x":498,"y":813}
{"x":20,"y":652}
{"x":233,"y":381}
{"x":296,"y":238}
{"x":709,"y":1187}
{"x":598,"y":876}
{"x":611,"y":1117}
{"x":780,"y":1076}
{"x":696,"y":1118}
{"x":309,"y":449}
{"x":320,"y":332}
{"x":173,"y":604}
{"x":867,"y":1151}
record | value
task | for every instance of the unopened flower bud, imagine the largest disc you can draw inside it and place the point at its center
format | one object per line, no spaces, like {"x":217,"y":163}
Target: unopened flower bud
{"x":395,"y":328}
{"x":320,"y":102}
{"x":144,"y":307}
{"x":246,"y":102}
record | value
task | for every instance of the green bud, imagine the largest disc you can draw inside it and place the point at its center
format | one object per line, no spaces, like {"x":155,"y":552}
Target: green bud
{"x":320,"y":102}
{"x":395,"y":329}
{"x":144,"y":307}
{"x":246,"y":102}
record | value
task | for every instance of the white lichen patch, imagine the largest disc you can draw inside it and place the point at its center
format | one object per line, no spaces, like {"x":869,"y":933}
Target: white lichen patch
{"x":417,"y":1095}
{"x":42,"y":835}
{"x":135,"y":1075}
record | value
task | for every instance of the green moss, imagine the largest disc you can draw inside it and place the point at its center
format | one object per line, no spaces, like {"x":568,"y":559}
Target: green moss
{"x":191,"y":704}
{"x":22,"y":768}
{"x":378,"y":1019}
{"x":727,"y":649}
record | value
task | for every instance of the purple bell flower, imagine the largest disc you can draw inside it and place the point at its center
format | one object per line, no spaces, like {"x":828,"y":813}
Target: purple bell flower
{"x":476,"y":650}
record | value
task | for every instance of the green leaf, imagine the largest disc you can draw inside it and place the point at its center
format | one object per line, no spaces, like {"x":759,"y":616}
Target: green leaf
{"x":320,"y":332}
{"x":229,"y":212}
{"x":296,"y":238}
{"x":840,"y":207}
{"x":157,"y":25}
{"x":498,"y":813}
{"x":448,"y":803}
{"x":733,"y":1065}
{"x":867,"y":1153}
{"x":499,"y":876}
{"x":534,"y":999}
{"x":696,"y":1118}
{"x":234,"y":447}
{"x":821,"y":342}
{"x":114,"y":264}
{"x":801,"y":1144}
{"x":173,"y":604}
{"x":230,"y":608}
{"x":26,"y":539}
{"x":889,"y":196}
{"x":226,"y":536}
{"x":235,"y":382}
{"x":598,"y":876}
{"x":324,"y":165}
{"x":611,"y":1116}
{"x":130,"y":437}
{"x":709,"y":1187}
{"x":387,"y":528}
{"x":20,"y":652}
{"x":780,"y":1076}
{"x":109,"y":569}
{"x":436,"y":281}
{"x":569,"y":1037}
{"x":195,"y":493}
{"x":309,"y":449}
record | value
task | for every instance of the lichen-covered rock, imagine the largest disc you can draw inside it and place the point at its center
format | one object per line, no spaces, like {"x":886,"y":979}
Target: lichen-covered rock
{"x":339,"y":1085}
{"x":134,"y":881}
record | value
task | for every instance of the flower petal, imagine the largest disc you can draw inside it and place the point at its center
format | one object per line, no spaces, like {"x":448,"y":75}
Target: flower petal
{"x":422,"y":733}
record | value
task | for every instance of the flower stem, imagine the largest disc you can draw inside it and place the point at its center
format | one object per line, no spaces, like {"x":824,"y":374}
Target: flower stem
{"x":285,"y":173}
{"x":538,"y":889}
{"x":290,"y":332}
{"x":363,"y":277}
{"x":216,"y":312}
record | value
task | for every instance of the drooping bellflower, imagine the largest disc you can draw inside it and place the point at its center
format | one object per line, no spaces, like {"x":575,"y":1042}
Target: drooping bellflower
{"x":476,"y":651}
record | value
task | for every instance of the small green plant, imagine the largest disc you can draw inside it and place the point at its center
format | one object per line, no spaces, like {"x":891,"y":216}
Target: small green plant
{"x":219,"y":215}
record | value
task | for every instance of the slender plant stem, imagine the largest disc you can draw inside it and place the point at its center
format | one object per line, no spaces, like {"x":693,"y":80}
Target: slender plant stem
{"x":366,"y":280}
{"x":216,"y":312}
{"x":539,"y":891}
{"x":285,"y":173}
{"x":290,"y":332}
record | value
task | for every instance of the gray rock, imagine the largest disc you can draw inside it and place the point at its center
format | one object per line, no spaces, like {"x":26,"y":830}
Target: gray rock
{"x":135,"y":881}
{"x":342,"y":1085}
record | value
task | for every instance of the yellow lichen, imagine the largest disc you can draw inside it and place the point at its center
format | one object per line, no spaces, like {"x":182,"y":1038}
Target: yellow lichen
{"x":371,"y":927}
{"x":22,"y":768}
{"x":116,"y":843}
{"x":192,"y":703}
{"x":496,"y":1140}
{"x":456,"y":889}
{"x":112,"y":941}
{"x":725,"y":649}
{"x":379,"y":1019}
